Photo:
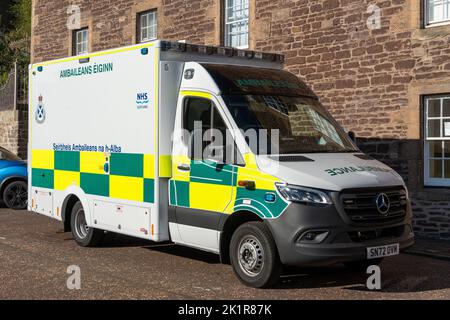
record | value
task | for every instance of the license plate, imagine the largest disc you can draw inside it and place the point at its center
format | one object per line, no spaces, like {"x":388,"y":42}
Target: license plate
{"x":383,"y":251}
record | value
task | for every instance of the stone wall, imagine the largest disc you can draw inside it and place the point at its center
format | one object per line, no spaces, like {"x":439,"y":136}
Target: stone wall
{"x":13,"y":132}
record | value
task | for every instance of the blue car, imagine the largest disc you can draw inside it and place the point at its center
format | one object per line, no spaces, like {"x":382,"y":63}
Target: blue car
{"x":13,"y":180}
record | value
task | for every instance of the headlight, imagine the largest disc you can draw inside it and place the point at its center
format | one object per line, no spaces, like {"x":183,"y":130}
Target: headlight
{"x":303,"y":195}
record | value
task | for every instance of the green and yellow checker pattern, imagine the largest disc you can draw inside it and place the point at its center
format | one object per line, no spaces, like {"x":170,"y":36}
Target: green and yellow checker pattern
{"x":130,"y":176}
{"x":215,"y":188}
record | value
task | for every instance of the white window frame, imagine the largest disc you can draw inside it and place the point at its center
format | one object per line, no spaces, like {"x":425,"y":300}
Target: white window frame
{"x":429,"y":181}
{"x":81,"y":41}
{"x":230,"y":21}
{"x":148,"y":16}
{"x":435,"y":23}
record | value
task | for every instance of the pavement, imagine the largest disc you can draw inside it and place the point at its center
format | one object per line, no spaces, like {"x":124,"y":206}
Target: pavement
{"x":35,"y":255}
{"x":431,"y":248}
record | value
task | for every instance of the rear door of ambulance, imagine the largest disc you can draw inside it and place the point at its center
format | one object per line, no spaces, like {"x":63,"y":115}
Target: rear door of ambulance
{"x":93,"y":132}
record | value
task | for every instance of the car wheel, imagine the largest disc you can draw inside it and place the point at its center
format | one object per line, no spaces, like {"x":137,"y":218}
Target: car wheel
{"x":84,"y":235}
{"x":362,"y":265}
{"x":15,"y":195}
{"x":254,"y":256}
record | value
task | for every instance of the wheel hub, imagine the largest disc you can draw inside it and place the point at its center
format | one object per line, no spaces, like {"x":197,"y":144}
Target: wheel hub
{"x":81,"y":227}
{"x":251,"y":256}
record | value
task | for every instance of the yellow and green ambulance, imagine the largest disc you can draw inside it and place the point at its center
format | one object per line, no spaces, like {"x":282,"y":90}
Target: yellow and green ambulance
{"x":213,"y":148}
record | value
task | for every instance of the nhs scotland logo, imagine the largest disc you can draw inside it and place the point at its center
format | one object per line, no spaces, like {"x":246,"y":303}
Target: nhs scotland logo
{"x":142,"y":100}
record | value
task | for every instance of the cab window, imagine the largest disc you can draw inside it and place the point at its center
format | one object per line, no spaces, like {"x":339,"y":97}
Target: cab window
{"x":201,"y":115}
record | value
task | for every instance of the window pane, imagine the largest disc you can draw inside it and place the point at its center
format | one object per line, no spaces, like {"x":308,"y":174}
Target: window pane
{"x":438,"y":10}
{"x":446,"y":108}
{"x":447,"y":169}
{"x":446,"y":128}
{"x":435,"y":149}
{"x":435,"y":168}
{"x":434,"y":108}
{"x":144,"y":34}
{"x":236,"y":20}
{"x":143,"y":21}
{"x":434,"y":128}
{"x":198,"y":110}
{"x":447,"y":149}
{"x":148,"y":26}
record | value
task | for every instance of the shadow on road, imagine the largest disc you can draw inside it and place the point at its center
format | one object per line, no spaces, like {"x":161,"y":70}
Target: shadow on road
{"x":114,"y":240}
{"x":395,"y":277}
{"x":404,"y":274}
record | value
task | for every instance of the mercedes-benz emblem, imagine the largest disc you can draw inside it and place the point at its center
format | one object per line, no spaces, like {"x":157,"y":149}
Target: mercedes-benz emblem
{"x":383,"y":204}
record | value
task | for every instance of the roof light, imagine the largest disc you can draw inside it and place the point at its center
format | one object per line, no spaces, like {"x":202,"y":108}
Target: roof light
{"x":223,"y":51}
{"x":206,"y":49}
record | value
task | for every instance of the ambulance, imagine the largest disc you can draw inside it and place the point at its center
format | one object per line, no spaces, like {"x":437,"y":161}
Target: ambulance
{"x":212,"y":148}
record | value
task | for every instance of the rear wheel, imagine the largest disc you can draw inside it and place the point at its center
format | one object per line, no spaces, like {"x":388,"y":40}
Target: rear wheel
{"x":84,"y":235}
{"x":254,"y":256}
{"x":362,"y":265}
{"x":15,"y":195}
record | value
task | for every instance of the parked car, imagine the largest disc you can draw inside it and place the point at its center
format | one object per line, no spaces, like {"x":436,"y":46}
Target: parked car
{"x":13,"y":180}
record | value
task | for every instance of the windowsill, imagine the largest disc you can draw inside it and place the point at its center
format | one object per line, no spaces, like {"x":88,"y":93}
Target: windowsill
{"x":149,"y":40}
{"x":438,"y":24}
{"x":437,"y":184}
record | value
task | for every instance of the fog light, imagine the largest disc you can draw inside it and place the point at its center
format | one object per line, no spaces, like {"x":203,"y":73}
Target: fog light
{"x":315,"y":236}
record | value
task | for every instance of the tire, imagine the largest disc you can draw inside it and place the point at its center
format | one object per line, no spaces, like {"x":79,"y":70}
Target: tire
{"x":254,"y":256}
{"x":15,"y":195}
{"x":362,"y":265}
{"x":83,"y":235}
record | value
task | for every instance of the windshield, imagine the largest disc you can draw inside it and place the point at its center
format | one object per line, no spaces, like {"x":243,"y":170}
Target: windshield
{"x":303,"y":124}
{"x":8,"y":156}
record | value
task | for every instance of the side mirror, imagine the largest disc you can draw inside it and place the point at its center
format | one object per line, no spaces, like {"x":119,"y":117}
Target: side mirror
{"x":352,"y":136}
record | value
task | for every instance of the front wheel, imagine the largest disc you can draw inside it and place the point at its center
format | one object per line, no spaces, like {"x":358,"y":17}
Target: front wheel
{"x":254,"y":255}
{"x":82,"y":233}
{"x":15,"y":195}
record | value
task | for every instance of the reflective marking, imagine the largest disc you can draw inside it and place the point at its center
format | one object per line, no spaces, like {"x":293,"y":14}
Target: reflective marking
{"x":210,"y":179}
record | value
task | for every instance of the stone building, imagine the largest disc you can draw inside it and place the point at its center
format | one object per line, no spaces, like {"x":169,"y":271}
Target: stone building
{"x":382,"y":67}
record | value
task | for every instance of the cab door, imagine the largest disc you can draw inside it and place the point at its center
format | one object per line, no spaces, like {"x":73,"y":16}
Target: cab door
{"x":202,"y":182}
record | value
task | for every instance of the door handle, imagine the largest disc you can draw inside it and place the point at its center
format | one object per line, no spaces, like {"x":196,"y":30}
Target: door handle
{"x":184,"y":167}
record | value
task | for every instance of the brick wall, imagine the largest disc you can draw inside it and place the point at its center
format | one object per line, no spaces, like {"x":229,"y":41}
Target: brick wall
{"x":371,"y":80}
{"x":113,"y":23}
{"x":13,"y":132}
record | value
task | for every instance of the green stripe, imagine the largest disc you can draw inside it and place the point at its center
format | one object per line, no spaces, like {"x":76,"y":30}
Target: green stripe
{"x":67,"y":160}
{"x":215,"y":174}
{"x":269,"y":209}
{"x":182,"y":188}
{"x":172,"y":200}
{"x":95,"y":184}
{"x":127,"y":164}
{"x":42,"y":178}
{"x":149,"y":190}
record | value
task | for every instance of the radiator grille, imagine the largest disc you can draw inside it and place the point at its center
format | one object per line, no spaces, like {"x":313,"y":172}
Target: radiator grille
{"x":361,"y":207}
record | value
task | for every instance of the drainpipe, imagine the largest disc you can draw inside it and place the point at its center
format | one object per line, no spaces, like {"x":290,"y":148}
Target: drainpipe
{"x":15,"y":85}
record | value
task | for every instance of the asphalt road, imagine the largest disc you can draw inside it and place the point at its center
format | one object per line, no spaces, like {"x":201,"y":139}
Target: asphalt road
{"x":35,"y":254}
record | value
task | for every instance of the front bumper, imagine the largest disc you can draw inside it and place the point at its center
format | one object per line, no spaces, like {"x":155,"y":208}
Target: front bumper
{"x":344,"y":241}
